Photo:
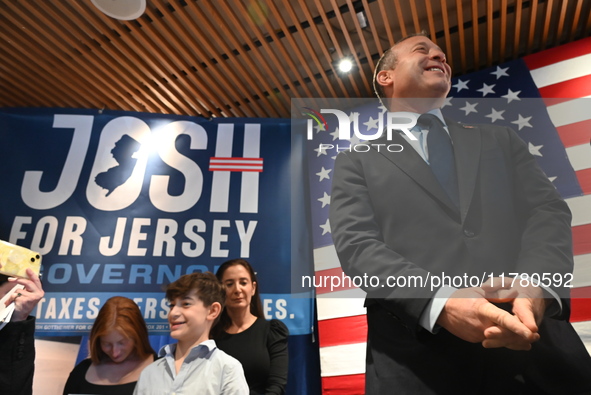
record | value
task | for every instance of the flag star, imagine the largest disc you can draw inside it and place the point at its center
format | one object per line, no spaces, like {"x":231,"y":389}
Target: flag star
{"x":323,"y":174}
{"x":495,"y":115}
{"x":486,"y":89}
{"x":461,"y":85}
{"x":535,"y":149}
{"x":319,"y":128}
{"x":468,"y":108}
{"x":510,"y":96}
{"x":354,"y":140}
{"x":552,"y":179}
{"x":325,"y":227}
{"x":321,"y":149}
{"x":372,"y":123}
{"x":325,"y":199}
{"x":522,"y":122}
{"x":499,"y":72}
{"x":447,"y":101}
{"x":335,"y":134}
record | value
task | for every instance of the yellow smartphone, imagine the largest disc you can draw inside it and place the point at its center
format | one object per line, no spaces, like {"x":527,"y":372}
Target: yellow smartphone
{"x":15,"y":260}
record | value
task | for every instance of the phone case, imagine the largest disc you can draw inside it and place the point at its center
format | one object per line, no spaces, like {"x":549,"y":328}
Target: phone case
{"x":14,"y":260}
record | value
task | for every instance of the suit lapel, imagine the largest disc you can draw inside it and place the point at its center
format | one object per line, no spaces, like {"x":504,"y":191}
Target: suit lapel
{"x":467,"y":146}
{"x":411,"y":163}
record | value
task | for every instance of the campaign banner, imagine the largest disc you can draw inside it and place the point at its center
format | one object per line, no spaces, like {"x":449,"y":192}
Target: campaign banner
{"x":123,"y":203}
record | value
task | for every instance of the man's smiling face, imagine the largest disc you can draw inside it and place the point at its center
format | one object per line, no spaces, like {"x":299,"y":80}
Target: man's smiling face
{"x":421,"y":70}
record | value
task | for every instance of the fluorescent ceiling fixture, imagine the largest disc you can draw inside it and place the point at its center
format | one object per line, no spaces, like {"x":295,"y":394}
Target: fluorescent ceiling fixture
{"x":345,"y":65}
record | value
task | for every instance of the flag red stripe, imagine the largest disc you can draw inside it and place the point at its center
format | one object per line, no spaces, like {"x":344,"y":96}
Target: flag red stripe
{"x":582,"y":239}
{"x":580,"y":293}
{"x":332,"y":280}
{"x":580,"y":310}
{"x":575,"y":133}
{"x":558,"y":54}
{"x":339,"y":331}
{"x":580,"y":304}
{"x":353,"y":384}
{"x":584,"y":177}
{"x":570,"y":89}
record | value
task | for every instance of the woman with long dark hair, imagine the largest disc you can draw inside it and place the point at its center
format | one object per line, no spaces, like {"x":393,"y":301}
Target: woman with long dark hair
{"x":243,"y":332}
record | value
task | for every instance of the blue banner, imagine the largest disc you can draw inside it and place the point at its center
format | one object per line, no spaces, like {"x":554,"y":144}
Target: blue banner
{"x":123,"y":203}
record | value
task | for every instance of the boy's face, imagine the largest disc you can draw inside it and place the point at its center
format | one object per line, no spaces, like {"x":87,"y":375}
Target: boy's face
{"x":190,"y":320}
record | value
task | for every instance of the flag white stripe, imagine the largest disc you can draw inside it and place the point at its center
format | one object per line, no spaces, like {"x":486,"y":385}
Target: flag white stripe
{"x":571,"y":111}
{"x":326,"y":258}
{"x":329,"y":308}
{"x":561,"y":71}
{"x":582,"y":271}
{"x":579,"y":156}
{"x":580,"y":207}
{"x":343,"y":360}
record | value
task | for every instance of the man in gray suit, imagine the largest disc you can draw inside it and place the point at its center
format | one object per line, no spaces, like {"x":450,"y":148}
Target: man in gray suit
{"x":395,"y":216}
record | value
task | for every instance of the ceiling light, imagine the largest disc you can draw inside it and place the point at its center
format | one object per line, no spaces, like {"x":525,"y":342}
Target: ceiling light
{"x":125,"y":10}
{"x":362,"y":19}
{"x":345,"y":65}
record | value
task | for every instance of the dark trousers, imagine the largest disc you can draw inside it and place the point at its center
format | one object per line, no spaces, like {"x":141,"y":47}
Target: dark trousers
{"x":402,"y":361}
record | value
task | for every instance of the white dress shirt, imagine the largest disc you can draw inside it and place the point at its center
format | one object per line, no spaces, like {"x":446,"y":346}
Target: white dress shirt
{"x":207,"y":370}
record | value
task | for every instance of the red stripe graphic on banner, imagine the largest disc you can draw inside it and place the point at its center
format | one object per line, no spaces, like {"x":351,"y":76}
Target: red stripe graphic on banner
{"x":236,"y":164}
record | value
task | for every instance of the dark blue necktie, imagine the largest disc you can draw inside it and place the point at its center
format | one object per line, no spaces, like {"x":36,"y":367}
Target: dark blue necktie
{"x":441,"y":155}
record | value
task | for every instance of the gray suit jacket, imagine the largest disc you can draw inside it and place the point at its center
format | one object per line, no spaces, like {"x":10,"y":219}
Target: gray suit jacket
{"x":390,"y":217}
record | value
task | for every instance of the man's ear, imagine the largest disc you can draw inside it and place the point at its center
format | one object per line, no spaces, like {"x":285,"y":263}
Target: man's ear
{"x":384,"y":78}
{"x":214,"y":310}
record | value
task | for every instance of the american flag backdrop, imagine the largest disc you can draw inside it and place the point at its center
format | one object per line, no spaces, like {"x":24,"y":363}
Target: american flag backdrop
{"x":546,"y":98}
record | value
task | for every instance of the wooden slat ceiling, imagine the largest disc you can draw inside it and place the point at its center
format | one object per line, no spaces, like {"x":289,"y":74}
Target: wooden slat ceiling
{"x":228,"y":58}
